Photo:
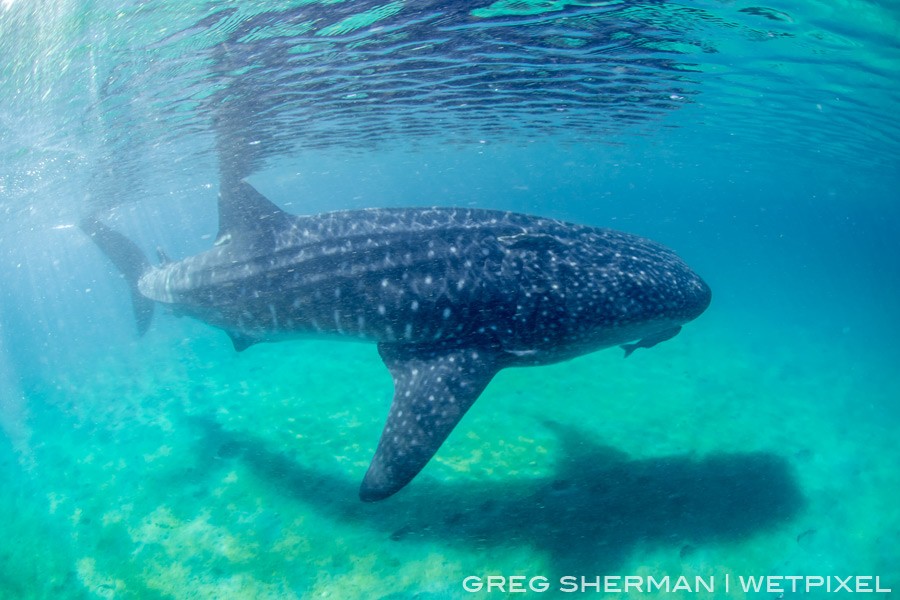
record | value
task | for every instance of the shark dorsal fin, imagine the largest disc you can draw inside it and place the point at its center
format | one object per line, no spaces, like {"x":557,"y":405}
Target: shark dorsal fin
{"x":433,"y":389}
{"x":245,"y":214}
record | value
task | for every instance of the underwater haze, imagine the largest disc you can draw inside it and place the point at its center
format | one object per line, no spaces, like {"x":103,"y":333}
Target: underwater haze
{"x":759,"y":142}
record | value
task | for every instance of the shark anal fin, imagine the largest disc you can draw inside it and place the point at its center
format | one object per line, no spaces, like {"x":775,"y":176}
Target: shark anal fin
{"x":241,"y":342}
{"x":433,"y":389}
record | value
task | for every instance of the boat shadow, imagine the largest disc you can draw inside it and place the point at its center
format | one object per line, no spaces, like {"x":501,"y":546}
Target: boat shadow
{"x":587,"y":517}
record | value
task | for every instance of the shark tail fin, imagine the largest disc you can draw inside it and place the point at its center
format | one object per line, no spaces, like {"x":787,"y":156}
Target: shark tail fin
{"x":130,"y":261}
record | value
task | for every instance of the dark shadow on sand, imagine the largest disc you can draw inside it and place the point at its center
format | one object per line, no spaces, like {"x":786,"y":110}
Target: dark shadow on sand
{"x":595,"y":509}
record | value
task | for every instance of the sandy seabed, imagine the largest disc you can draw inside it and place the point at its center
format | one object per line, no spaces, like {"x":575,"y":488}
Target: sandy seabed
{"x":176,"y":468}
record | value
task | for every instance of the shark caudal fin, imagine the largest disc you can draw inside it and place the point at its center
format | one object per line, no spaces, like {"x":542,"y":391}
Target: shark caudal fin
{"x":130,"y":261}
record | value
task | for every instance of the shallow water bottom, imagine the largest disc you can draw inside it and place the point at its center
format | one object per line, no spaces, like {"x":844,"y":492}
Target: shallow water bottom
{"x":176,"y":468}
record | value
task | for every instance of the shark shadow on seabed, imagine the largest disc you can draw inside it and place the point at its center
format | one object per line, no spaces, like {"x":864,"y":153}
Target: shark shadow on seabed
{"x":586,"y":517}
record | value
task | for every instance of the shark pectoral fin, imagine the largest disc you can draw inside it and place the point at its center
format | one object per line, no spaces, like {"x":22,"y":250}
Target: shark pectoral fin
{"x":650,"y":341}
{"x":433,"y":389}
{"x":629,"y":348}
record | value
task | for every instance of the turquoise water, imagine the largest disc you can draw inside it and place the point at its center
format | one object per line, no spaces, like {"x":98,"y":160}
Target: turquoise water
{"x":760,"y":142}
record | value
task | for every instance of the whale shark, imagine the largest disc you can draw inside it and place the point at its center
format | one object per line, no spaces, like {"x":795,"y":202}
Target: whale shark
{"x":450,"y":296}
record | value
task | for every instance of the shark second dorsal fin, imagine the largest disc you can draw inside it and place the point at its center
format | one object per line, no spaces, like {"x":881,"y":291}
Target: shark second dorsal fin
{"x":247,"y":215}
{"x":433,"y":389}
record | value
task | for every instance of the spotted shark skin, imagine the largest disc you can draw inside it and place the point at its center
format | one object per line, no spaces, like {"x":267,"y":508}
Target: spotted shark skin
{"x":450,"y":295}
